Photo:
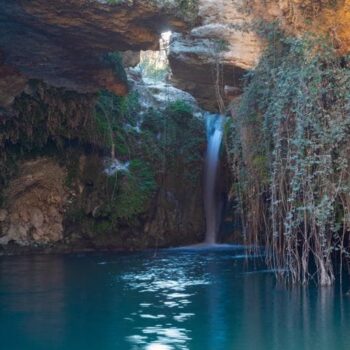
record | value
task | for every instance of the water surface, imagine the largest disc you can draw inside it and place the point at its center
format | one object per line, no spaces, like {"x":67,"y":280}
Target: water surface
{"x":193,"y":299}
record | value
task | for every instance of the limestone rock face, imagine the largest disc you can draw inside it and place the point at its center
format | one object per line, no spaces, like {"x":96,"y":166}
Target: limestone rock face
{"x":64,"y":43}
{"x":35,"y":204}
{"x":215,"y":54}
{"x":209,"y":61}
{"x":326,"y":17}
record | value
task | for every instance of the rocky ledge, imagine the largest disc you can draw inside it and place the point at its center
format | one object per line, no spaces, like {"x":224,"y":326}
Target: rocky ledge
{"x":211,"y":59}
{"x":66,"y":43}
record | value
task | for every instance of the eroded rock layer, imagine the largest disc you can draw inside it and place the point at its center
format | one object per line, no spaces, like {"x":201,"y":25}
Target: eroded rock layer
{"x":209,"y":61}
{"x":323,"y":17}
{"x":36,"y":204}
{"x":65,"y":43}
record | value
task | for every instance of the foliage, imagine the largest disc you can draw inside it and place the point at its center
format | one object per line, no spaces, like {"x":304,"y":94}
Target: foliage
{"x":110,"y":113}
{"x":180,"y":141}
{"x":159,"y":143}
{"x":79,"y":130}
{"x":298,"y":101}
{"x":42,"y":122}
{"x":150,"y":70}
{"x":137,"y":189}
{"x":309,"y":9}
{"x":115,"y":2}
{"x":188,"y":7}
{"x":180,"y":110}
{"x":47,"y":114}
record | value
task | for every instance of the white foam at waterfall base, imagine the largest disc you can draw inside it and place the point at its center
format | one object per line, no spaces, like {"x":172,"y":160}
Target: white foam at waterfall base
{"x":114,"y":165}
{"x":214,"y":125}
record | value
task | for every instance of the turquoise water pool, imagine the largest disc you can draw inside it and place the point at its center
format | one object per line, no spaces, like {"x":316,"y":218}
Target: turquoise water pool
{"x":173,"y":299}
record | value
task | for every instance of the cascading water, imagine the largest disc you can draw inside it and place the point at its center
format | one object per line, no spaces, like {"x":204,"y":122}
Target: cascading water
{"x":214,"y":124}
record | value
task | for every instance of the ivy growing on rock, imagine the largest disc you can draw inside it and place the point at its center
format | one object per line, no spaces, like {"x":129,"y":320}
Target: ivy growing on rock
{"x":291,"y":159}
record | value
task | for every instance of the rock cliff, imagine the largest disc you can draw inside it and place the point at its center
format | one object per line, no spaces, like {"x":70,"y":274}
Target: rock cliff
{"x":36,"y":201}
{"x":66,"y":43}
{"x":211,"y":59}
{"x":101,"y":172}
{"x":61,"y":78}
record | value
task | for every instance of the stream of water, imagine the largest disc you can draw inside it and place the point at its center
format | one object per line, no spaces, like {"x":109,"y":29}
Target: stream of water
{"x":214,"y":126}
{"x":203,"y":299}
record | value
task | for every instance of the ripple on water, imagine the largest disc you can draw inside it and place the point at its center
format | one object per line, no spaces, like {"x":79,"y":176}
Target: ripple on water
{"x":183,"y":316}
{"x":165,"y":338}
{"x":172,"y":283}
{"x":154,"y":317}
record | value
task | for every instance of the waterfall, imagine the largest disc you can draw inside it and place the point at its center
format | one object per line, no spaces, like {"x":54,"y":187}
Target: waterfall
{"x":214,"y":125}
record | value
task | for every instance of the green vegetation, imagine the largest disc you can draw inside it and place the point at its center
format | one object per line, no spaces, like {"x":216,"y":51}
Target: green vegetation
{"x":290,"y":162}
{"x":308,"y":8}
{"x":136,"y":191}
{"x":188,"y":8}
{"x":150,"y":70}
{"x":42,"y":123}
{"x":79,"y":131}
{"x":166,"y":142}
{"x":115,"y":2}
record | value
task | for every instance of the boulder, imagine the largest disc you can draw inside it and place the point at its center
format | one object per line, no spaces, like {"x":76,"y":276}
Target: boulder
{"x":34,"y":204}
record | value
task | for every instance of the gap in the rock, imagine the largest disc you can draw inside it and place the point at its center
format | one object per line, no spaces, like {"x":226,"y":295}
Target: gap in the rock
{"x":155,"y":74}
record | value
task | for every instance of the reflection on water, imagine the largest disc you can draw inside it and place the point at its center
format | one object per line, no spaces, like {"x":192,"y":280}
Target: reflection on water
{"x":172,"y":283}
{"x":212,"y":299}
